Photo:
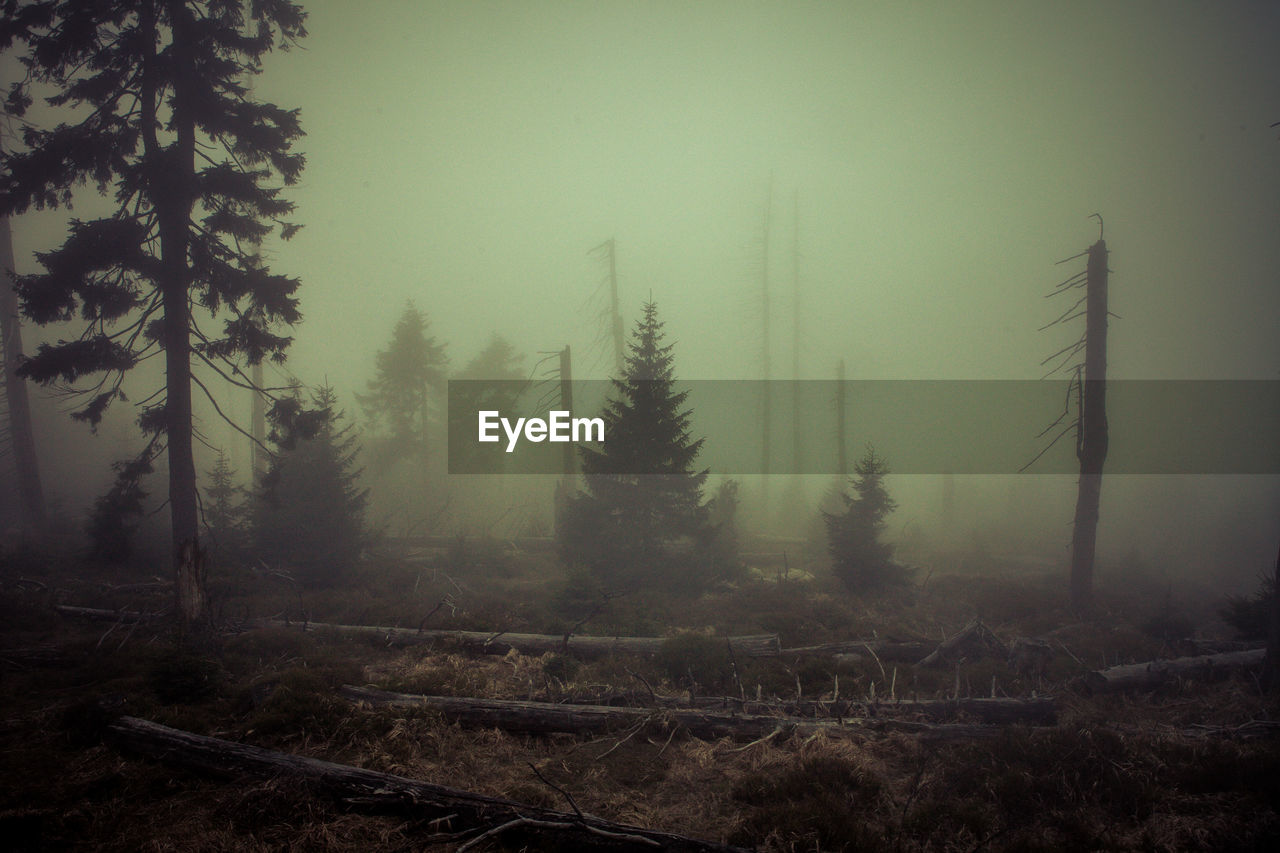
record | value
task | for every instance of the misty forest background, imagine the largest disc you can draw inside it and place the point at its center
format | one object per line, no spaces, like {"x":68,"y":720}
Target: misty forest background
{"x":252,"y":246}
{"x":885,"y":192}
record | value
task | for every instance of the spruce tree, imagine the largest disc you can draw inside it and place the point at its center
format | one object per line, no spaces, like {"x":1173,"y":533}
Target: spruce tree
{"x":403,"y":395}
{"x":224,"y":509}
{"x":152,"y":106}
{"x":641,"y":517}
{"x":858,"y":557}
{"x":309,"y":515}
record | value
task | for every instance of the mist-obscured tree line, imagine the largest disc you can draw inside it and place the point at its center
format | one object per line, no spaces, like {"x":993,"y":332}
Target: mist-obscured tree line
{"x":403,"y":403}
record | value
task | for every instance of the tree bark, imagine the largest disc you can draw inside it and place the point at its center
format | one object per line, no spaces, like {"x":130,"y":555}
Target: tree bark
{"x":383,"y":792}
{"x":172,"y":181}
{"x":1151,"y":674}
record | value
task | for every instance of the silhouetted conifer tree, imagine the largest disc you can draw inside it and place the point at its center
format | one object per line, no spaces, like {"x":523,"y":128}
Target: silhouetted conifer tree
{"x":152,"y":101}
{"x":309,"y":517}
{"x":225,"y":509}
{"x":114,"y":520}
{"x":858,"y":558}
{"x":641,"y":518}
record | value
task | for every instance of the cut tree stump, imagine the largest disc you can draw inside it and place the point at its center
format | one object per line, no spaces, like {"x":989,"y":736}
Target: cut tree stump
{"x":759,"y":645}
{"x":547,"y":717}
{"x":1151,"y":674}
{"x":461,"y":813}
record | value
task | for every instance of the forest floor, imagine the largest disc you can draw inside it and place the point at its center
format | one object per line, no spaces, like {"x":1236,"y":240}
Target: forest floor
{"x":1181,"y":767}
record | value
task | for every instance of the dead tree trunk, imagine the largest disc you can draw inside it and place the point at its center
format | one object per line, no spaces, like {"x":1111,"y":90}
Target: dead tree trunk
{"x":471,"y":814}
{"x":1151,"y":674}
{"x":766,"y":390}
{"x":1271,"y":670}
{"x":567,"y":485}
{"x":1091,"y":435}
{"x":1040,"y":710}
{"x":547,"y":717}
{"x":501,"y":642}
{"x":21,"y":437}
{"x":897,"y":652}
{"x":974,"y":640}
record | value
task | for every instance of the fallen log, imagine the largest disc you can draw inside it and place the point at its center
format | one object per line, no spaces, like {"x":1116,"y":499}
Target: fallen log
{"x":974,"y":639}
{"x":897,"y":652}
{"x":547,"y":717}
{"x":1151,"y":674}
{"x":501,"y":642}
{"x":101,"y":615}
{"x":1039,"y":710}
{"x":463,"y":812}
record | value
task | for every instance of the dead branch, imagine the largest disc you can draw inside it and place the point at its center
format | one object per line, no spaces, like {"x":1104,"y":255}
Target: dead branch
{"x":384,"y":792}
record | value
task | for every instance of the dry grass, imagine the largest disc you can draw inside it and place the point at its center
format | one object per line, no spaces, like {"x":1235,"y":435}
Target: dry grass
{"x":1120,"y":772}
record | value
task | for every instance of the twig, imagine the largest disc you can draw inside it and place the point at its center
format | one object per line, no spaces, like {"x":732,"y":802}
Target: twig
{"x":770,"y":736}
{"x":555,"y":787}
{"x":733,"y":668}
{"x":668,"y":742}
{"x":876,"y":658}
{"x":548,"y":824}
{"x":637,"y":727}
{"x":653,"y":696}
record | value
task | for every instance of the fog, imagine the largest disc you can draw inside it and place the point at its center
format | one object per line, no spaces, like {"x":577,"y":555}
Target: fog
{"x":931,"y":162}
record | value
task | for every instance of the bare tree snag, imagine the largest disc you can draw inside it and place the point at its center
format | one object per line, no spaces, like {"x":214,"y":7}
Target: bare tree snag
{"x":1091,"y":435}
{"x":387,"y":793}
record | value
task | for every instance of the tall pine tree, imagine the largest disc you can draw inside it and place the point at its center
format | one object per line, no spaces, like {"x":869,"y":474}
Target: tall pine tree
{"x":152,"y":104}
{"x":641,"y":518}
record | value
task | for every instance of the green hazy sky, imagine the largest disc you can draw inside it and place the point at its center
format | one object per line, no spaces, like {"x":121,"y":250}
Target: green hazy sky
{"x":944,"y":155}
{"x":468,"y":155}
